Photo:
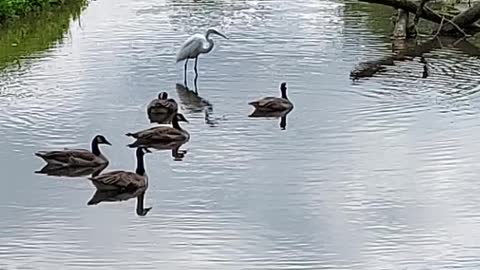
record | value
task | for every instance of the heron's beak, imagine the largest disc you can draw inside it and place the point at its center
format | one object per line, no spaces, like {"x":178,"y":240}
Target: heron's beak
{"x":220,"y":34}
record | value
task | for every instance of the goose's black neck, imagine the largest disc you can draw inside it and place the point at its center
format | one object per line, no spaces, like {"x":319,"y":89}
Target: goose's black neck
{"x":140,"y":165}
{"x":95,"y":148}
{"x":284,"y":92}
{"x":175,"y":123}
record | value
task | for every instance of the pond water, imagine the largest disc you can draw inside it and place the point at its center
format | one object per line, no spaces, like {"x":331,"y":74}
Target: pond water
{"x":382,"y":173}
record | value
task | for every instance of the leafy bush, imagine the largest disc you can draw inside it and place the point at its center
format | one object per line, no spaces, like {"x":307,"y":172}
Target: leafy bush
{"x":10,"y":9}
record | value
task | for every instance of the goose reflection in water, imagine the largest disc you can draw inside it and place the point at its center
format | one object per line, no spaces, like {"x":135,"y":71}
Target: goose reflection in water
{"x":174,"y":146}
{"x":122,"y":195}
{"x":71,"y":171}
{"x":282,"y":115}
{"x":193,"y":103}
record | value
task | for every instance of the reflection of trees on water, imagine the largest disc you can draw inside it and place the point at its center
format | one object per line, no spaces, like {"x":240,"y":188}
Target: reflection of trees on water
{"x":198,"y":15}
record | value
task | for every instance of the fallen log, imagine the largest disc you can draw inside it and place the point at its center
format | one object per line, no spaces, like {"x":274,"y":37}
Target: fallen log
{"x":464,"y":19}
{"x":427,"y":13}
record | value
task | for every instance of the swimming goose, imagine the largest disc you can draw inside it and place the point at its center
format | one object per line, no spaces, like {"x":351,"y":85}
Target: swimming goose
{"x":124,"y":180}
{"x":77,"y":157}
{"x":163,"y":109}
{"x":161,"y":134}
{"x":274,"y":104}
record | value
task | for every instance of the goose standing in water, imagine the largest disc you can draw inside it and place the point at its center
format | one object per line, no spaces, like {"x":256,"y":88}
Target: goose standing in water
{"x":161,"y":134}
{"x":77,"y":157}
{"x":163,"y":109}
{"x":274,"y":104}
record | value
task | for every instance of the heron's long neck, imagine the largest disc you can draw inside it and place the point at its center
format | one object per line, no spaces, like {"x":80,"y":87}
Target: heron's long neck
{"x":95,"y":149}
{"x":210,"y":45}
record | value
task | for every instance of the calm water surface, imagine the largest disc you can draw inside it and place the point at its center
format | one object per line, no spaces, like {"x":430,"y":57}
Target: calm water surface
{"x":379,"y":174}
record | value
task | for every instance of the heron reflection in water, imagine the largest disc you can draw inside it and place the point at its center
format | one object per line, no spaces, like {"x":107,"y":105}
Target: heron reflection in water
{"x":193,"y":103}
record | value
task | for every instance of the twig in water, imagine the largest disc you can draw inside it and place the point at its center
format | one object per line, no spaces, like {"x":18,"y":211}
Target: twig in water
{"x":451,"y":22}
{"x":440,"y":27}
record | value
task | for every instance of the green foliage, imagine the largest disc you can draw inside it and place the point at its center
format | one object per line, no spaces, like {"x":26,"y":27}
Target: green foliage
{"x":11,"y":9}
{"x":37,"y":32}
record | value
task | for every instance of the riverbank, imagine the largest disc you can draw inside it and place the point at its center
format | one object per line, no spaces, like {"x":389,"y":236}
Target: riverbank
{"x":12,"y":10}
{"x":37,"y":32}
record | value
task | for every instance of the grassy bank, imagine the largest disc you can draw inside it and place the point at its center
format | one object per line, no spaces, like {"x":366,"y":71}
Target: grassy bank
{"x":14,"y":9}
{"x":37,"y":32}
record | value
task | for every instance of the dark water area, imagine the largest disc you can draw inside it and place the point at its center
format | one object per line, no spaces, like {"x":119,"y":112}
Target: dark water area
{"x":381,"y":173}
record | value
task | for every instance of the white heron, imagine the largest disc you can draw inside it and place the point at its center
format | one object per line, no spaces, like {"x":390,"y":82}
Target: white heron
{"x":194,"y":46}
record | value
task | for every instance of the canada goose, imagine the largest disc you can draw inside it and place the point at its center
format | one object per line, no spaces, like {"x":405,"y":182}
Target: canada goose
{"x":274,"y":104}
{"x":77,"y":157}
{"x":163,"y":109}
{"x":161,"y":134}
{"x":124,"y":180}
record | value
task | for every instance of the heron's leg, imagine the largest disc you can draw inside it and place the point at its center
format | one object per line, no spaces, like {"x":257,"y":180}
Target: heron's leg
{"x":185,"y":73}
{"x":196,"y":74}
{"x":196,"y":63}
{"x":195,"y":83}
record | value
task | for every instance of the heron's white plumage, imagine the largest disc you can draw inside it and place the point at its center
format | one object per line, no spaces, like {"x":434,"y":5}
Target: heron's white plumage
{"x":192,"y":47}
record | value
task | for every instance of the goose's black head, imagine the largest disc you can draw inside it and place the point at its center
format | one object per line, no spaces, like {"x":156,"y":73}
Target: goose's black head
{"x":100,"y":139}
{"x":163,"y":95}
{"x":283,"y":89}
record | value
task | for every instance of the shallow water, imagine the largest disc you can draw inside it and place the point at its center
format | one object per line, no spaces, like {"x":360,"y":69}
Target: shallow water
{"x":377,"y":174}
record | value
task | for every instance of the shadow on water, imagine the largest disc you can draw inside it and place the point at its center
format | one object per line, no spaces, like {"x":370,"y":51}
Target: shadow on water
{"x":122,"y":195}
{"x":71,"y":171}
{"x":37,"y":33}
